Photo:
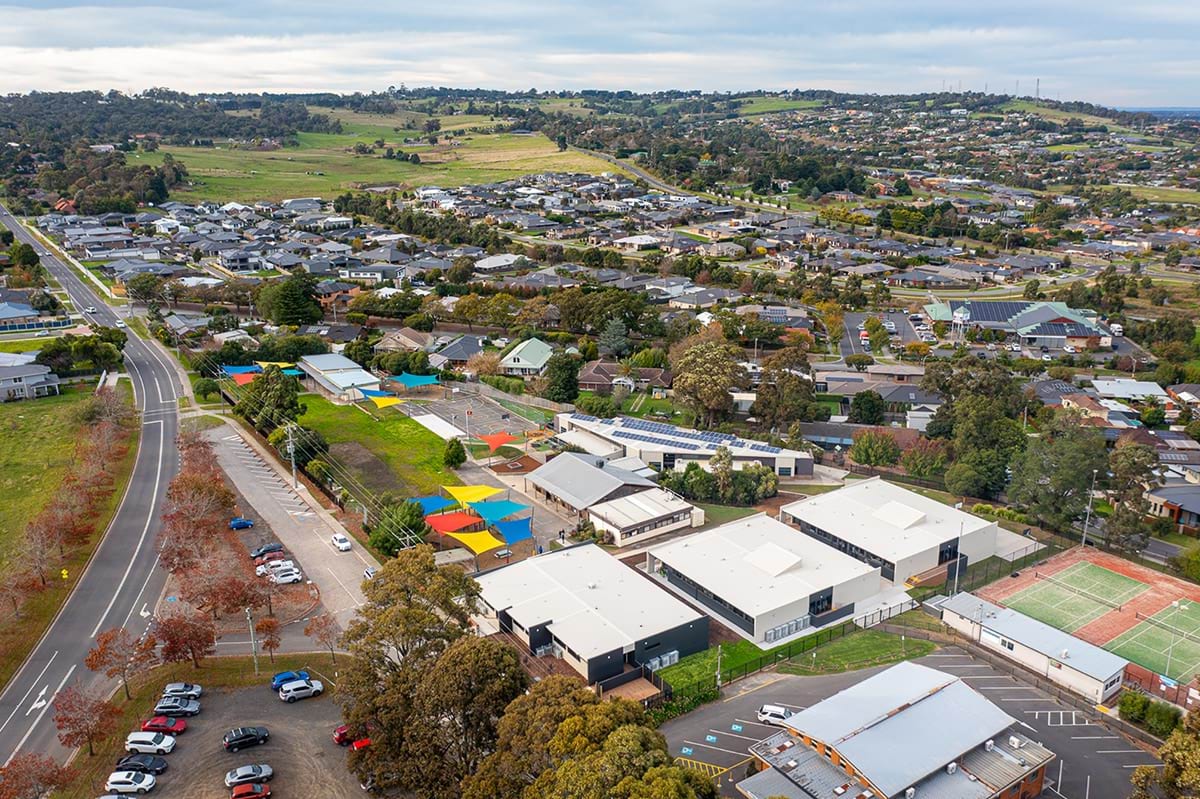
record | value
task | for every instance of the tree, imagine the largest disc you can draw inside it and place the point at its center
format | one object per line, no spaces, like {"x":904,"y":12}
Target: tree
{"x":271,"y":400}
{"x":705,"y":373}
{"x":875,"y":448}
{"x":1032,"y":288}
{"x":360,"y":351}
{"x":833,"y":320}
{"x":1132,"y":469}
{"x":458,"y":705}
{"x":860,"y":361}
{"x":323,"y":629}
{"x":291,"y":301}
{"x":562,"y":378}
{"x":784,"y":397}
{"x":455,"y":454}
{"x":186,"y":635}
{"x":614,"y":339}
{"x":867,"y":407}
{"x":965,"y":480}
{"x":205,"y":387}
{"x":144,"y":288}
{"x":1179,"y":776}
{"x":925,"y":459}
{"x":1053,"y":475}
{"x":400,"y":525}
{"x":29,"y":775}
{"x":83,"y":718}
{"x":118,"y":654}
{"x":268,"y":629}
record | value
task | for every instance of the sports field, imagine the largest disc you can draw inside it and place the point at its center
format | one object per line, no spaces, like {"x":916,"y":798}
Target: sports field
{"x":1075,"y":596}
{"x":1167,"y":642}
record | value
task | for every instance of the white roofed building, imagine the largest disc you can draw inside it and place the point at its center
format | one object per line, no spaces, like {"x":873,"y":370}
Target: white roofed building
{"x":636,"y":517}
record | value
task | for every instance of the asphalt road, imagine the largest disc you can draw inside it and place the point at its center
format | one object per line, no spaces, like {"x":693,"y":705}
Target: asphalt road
{"x":122,"y":583}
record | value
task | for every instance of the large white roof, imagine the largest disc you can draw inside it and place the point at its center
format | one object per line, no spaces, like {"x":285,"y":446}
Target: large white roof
{"x":596,"y":604}
{"x":758,"y":564}
{"x":885,"y":519}
{"x":633,"y":509}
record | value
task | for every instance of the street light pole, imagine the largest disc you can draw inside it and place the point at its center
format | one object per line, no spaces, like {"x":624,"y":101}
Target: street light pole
{"x":253,"y":642}
{"x":1088,"y":518}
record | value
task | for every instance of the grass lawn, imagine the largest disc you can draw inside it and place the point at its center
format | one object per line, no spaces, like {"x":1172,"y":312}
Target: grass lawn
{"x":29,"y":475}
{"x":21,"y":345}
{"x":721,"y":514}
{"x":771,"y":105}
{"x":214,"y":673}
{"x":324,"y":165}
{"x":411,"y":452}
{"x":703,"y":665}
{"x":858,"y":650}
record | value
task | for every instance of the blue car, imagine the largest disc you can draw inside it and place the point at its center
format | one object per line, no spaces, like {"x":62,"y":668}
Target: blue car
{"x":284,"y":677}
{"x":240,"y":523}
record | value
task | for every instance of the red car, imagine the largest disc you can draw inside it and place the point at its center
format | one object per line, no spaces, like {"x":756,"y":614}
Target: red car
{"x":361,"y":743}
{"x":267,"y":558}
{"x":165,"y":724}
{"x":251,"y":790}
{"x":341,"y":735}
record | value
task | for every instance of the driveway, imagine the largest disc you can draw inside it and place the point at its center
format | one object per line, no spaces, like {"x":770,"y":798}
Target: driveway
{"x":303,"y":531}
{"x":1093,"y":762}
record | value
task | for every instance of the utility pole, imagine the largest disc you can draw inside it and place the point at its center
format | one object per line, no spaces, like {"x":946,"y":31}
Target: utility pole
{"x":958,"y":552}
{"x":718,"y":666}
{"x":253,"y":642}
{"x":291,"y":446}
{"x":1088,"y":518}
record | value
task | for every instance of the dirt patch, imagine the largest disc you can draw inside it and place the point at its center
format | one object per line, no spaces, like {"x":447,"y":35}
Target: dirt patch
{"x":367,"y":467}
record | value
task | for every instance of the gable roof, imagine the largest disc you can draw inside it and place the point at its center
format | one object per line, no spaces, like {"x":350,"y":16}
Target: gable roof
{"x":532,"y":352}
{"x":583,"y":480}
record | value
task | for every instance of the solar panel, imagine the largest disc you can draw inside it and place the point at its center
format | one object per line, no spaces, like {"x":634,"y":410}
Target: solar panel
{"x":583,"y":417}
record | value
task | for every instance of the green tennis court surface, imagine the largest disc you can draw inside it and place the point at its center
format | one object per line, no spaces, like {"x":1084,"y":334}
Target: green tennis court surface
{"x":1075,"y":596}
{"x":1168,"y":644}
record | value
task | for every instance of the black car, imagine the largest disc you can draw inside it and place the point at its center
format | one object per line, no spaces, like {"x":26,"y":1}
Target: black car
{"x":243,"y":737}
{"x":147,"y":764}
{"x":274,"y":546}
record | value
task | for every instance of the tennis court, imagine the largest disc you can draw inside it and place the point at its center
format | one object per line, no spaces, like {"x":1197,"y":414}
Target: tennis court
{"x":1167,"y":642}
{"x":1075,"y":596}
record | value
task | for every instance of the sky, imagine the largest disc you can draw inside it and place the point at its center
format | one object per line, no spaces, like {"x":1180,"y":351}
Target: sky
{"x":1128,"y":53}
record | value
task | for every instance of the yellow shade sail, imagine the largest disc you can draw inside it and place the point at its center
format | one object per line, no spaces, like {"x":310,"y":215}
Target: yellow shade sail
{"x":384,"y":402}
{"x":280,"y":364}
{"x":477,"y":542}
{"x":465,"y":494}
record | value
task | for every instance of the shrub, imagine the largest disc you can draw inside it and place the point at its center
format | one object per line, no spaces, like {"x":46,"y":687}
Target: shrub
{"x":1133,"y":706}
{"x":1162,"y":718}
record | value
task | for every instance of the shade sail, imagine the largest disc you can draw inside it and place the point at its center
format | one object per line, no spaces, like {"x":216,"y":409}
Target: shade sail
{"x":293,"y":373}
{"x":497,"y":440}
{"x":515,"y":530}
{"x":468,"y":494}
{"x":243,"y":378}
{"x":413,"y":381}
{"x":280,"y":364}
{"x":385,"y":402}
{"x":239,"y":370}
{"x":433,"y":503}
{"x":477,"y":542}
{"x":498,"y":509}
{"x":371,"y":392}
{"x":451,"y":522}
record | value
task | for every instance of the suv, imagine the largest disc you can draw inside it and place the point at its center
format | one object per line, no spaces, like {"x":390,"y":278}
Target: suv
{"x":184,"y":690}
{"x":156,"y":743}
{"x":176,"y":706}
{"x":300,"y":689}
{"x":285,"y":576}
{"x":242,"y":737}
{"x":272,"y":566}
{"x":773,"y":714}
{"x":274,"y":546}
{"x":129,"y":782}
{"x":284,"y":677}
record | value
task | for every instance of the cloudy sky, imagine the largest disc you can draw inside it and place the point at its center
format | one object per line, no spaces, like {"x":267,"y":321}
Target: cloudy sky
{"x":1128,"y":53}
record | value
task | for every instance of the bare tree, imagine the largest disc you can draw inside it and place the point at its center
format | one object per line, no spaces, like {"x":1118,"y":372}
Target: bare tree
{"x":324,"y":630}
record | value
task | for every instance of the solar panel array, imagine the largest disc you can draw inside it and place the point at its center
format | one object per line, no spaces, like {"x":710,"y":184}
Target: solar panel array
{"x":583,"y":417}
{"x":662,"y":442}
{"x":708,"y":439}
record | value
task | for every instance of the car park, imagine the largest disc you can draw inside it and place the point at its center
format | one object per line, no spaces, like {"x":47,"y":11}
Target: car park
{"x":273,"y":546}
{"x":166,"y":724}
{"x":773,"y":714}
{"x":243,"y":737}
{"x":285,"y":576}
{"x":300,"y":689}
{"x":156,"y":743}
{"x":186,"y":690}
{"x":250,"y":790}
{"x":340,"y":542}
{"x":243,"y":775}
{"x":176,"y":706}
{"x":284,"y":677}
{"x":129,"y":782}
{"x":370,"y":572}
{"x":147,"y":764}
{"x":240,"y":523}
{"x":273,"y":566}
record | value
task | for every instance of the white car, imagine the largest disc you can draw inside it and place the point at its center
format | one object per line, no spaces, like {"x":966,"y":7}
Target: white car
{"x":272,"y":566}
{"x":90,"y":309}
{"x":121,"y":324}
{"x":129,"y":782}
{"x":1014,"y":347}
{"x":773,"y":714}
{"x":287,"y":576}
{"x":186,"y":690}
{"x":300,"y":689}
{"x":149,"y":743}
{"x":341,"y":542}
{"x":1046,"y":357}
{"x":1070,"y":350}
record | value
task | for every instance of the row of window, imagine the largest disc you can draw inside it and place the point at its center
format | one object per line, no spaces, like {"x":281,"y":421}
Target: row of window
{"x":657,"y":523}
{"x":709,"y":598}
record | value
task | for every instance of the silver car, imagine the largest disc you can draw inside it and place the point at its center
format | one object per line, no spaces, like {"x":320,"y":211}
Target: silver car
{"x":183,"y":690}
{"x":253,"y":773}
{"x":176,"y":706}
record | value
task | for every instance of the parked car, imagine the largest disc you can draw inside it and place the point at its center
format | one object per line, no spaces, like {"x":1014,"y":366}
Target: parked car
{"x":1070,"y":350}
{"x":186,"y":690}
{"x":341,"y":735}
{"x":773,"y":714}
{"x":258,"y":552}
{"x":165,"y":724}
{"x":270,"y":556}
{"x":243,"y":737}
{"x":341,"y":542}
{"x":285,"y":677}
{"x":250,"y":790}
{"x":501,"y":554}
{"x":154,"y":743}
{"x":147,"y":764}
{"x":272,"y":566}
{"x":285,"y":576}
{"x":243,"y":775}
{"x":1046,"y":357}
{"x":300,"y":689}
{"x":129,"y":782}
{"x":370,"y":572}
{"x":176,"y":706}
{"x":240,"y":523}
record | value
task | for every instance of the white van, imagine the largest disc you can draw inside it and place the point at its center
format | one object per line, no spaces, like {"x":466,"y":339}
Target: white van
{"x":773,"y":714}
{"x":1117,"y":330}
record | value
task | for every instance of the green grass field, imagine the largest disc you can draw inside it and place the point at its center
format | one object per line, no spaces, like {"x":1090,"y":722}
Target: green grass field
{"x":1171,"y":646}
{"x":771,"y":105}
{"x":21,"y":344}
{"x":1077,"y":596}
{"x":722,"y":514}
{"x":411,"y":453}
{"x":859,"y":650}
{"x":324,"y":164}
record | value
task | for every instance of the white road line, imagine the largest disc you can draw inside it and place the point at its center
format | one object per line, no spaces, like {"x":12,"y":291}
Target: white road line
{"x":150,"y":516}
{"x":755,"y":723}
{"x":1092,"y":737}
{"x":32,"y":685}
{"x":734,"y":735}
{"x":134,"y":606}
{"x":1120,"y":752}
{"x":41,"y":713}
{"x":719,"y":749}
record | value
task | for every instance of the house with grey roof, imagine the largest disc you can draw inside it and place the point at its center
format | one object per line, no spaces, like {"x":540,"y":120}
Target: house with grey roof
{"x":27,"y":381}
{"x":457,"y":352}
{"x":574,"y":482}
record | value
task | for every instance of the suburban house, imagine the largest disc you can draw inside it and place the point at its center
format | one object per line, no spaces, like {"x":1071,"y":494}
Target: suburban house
{"x":406,"y":339}
{"x":603,"y":376}
{"x":527,"y":359}
{"x":457,"y":352}
{"x":27,"y":381}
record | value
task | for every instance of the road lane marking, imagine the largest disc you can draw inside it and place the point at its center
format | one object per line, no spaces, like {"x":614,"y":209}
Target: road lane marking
{"x":21,"y":701}
{"x":40,"y":714}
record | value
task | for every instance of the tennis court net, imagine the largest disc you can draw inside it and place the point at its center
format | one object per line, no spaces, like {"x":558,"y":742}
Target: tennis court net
{"x":1168,"y":627}
{"x":1077,"y":590}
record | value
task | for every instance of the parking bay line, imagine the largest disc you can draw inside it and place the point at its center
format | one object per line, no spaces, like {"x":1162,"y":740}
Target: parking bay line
{"x":755,"y":723}
{"x":719,"y":749}
{"x":733,"y":735}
